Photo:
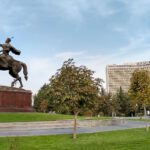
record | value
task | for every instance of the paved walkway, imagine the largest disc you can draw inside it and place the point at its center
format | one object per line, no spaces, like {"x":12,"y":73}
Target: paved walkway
{"x":68,"y":130}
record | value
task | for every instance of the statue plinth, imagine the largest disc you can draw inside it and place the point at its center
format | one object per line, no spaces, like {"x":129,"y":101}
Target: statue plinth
{"x":15,"y":100}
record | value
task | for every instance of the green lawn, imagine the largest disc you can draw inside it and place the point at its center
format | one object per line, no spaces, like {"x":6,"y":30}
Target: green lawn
{"x":27,"y":117}
{"x":133,"y":139}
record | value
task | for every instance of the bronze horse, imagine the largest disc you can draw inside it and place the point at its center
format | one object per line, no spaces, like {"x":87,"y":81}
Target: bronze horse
{"x":8,"y":63}
{"x":14,"y":67}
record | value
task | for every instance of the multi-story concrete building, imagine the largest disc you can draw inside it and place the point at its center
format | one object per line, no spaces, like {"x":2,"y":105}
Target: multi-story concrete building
{"x":119,"y":75}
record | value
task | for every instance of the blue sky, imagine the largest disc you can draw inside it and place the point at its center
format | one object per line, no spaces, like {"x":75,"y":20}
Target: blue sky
{"x":93,"y":32}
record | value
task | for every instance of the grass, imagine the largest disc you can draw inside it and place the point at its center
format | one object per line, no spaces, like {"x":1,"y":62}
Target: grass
{"x":132,"y":139}
{"x":27,"y":117}
{"x":30,"y":117}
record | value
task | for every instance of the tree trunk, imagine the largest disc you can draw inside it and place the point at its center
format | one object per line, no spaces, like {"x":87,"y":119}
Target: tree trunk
{"x":113,"y":114}
{"x":75,"y":126}
{"x":145,"y":113}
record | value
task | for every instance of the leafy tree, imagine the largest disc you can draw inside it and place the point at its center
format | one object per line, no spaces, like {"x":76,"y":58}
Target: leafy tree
{"x":103,"y":104}
{"x":139,"y":91}
{"x":114,"y":105}
{"x":42,"y":95}
{"x":74,"y":89}
{"x":109,"y":104}
{"x":124,"y":102}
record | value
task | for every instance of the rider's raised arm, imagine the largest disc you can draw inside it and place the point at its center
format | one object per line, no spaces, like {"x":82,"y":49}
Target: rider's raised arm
{"x":14,"y":50}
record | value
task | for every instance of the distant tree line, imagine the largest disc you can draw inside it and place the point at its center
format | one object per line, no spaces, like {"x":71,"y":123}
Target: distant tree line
{"x":74,"y":90}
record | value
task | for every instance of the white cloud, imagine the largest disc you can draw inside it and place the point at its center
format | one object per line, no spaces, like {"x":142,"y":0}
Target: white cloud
{"x":68,"y":54}
{"x":78,"y":9}
{"x":144,"y":8}
{"x":137,"y":42}
{"x":22,"y":14}
{"x":120,"y":29}
{"x":15,"y":15}
{"x":137,"y":7}
{"x":40,"y":71}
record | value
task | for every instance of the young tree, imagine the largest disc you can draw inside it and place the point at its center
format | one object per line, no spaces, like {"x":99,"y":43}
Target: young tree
{"x":74,"y":89}
{"x":139,"y":91}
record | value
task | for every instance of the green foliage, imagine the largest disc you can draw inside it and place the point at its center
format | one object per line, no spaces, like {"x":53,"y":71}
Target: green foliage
{"x":75,"y":88}
{"x":124,"y":102}
{"x":103,"y":104}
{"x":44,"y":106}
{"x":114,"y":105}
{"x":139,"y":91}
{"x":71,"y":90}
{"x":42,"y":95}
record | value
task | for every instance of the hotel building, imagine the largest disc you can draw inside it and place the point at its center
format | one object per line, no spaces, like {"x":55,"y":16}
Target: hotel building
{"x":119,"y":75}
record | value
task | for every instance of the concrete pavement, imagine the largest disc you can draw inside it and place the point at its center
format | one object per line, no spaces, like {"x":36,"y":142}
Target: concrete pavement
{"x":65,"y":127}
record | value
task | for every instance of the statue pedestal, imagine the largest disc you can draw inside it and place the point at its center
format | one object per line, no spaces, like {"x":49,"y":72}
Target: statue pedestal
{"x":15,"y":100}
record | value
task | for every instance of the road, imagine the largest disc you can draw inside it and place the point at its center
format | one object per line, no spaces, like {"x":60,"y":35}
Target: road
{"x":68,"y":130}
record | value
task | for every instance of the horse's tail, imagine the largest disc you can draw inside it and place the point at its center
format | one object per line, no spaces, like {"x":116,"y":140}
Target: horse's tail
{"x":25,"y":70}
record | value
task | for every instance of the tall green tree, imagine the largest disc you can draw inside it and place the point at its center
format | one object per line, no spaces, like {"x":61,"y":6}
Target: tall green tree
{"x":103,"y":104}
{"x":74,"y":89}
{"x":124,"y":102}
{"x":139,"y":91}
{"x":114,"y":105}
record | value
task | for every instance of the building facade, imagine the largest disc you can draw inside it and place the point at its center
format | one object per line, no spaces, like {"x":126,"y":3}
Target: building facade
{"x":119,"y":75}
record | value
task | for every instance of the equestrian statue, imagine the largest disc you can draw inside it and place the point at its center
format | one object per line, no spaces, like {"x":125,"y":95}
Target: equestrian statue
{"x":7,"y":62}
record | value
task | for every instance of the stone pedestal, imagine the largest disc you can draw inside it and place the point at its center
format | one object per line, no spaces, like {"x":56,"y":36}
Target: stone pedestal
{"x":15,"y":100}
